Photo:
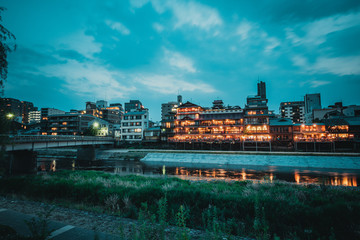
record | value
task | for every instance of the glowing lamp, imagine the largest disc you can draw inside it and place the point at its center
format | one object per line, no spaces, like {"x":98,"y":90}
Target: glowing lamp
{"x":96,"y":125}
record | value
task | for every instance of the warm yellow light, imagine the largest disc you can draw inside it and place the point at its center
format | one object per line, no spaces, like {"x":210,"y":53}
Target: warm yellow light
{"x":95,"y":124}
{"x":10,"y":115}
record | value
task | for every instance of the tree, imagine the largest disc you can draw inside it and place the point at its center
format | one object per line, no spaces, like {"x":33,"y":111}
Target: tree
{"x":7,"y":44}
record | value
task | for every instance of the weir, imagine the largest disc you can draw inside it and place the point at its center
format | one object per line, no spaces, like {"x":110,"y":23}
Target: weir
{"x":336,"y":162}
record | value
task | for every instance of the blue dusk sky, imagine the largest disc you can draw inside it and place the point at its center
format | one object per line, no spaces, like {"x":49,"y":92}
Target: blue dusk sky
{"x":73,"y":51}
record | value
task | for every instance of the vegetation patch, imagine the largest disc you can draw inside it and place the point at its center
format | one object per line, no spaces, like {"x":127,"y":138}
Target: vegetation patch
{"x":264,"y":211}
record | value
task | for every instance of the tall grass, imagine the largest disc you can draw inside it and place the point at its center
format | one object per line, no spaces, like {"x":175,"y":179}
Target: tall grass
{"x":263,"y":211}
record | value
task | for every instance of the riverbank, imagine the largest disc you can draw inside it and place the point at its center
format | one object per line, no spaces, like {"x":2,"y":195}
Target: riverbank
{"x":239,"y":208}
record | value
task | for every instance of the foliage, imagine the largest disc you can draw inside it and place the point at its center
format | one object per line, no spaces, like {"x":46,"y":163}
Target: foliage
{"x":6,"y":46}
{"x":264,"y":211}
{"x":91,"y":131}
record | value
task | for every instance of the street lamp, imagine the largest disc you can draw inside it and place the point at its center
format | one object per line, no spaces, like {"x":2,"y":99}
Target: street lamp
{"x":10,"y":115}
{"x":96,"y":125}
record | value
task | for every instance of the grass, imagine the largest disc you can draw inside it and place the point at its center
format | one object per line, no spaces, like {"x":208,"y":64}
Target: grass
{"x":262,"y":211}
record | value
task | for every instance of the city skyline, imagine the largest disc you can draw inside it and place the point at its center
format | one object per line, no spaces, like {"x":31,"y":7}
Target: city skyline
{"x":69,"y":53}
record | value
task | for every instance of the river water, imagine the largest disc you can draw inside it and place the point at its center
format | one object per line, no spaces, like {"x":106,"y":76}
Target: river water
{"x":209,"y":172}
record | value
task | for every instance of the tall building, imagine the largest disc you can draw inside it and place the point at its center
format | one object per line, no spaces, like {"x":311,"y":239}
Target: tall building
{"x":26,"y":107}
{"x":179,"y":99}
{"x":46,"y":112}
{"x":133,"y":125}
{"x":10,"y":105}
{"x":111,"y":114}
{"x":20,"y":109}
{"x":170,"y":107}
{"x":101,"y":104}
{"x":293,"y":110}
{"x":261,"y":89}
{"x":256,"y":108}
{"x":34,"y":117}
{"x":67,"y":124}
{"x":312,"y":101}
{"x":133,"y":105}
{"x":167,"y":108}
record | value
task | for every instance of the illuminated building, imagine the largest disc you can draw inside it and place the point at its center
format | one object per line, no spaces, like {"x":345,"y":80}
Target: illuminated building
{"x":26,"y":108}
{"x":20,"y":109}
{"x":194,"y":123}
{"x":112,"y":114}
{"x":67,"y":124}
{"x":34,"y":117}
{"x":310,"y":132}
{"x":101,"y":104}
{"x":133,"y":104}
{"x":167,"y":126}
{"x":312,"y":101}
{"x":134,"y":124}
{"x":168,"y":111}
{"x":152,"y":134}
{"x":281,"y":129}
{"x":293,"y":110}
{"x":10,"y":105}
{"x":103,"y":128}
{"x":167,"y":108}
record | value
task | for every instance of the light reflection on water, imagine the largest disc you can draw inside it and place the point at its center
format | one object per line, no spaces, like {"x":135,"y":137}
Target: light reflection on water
{"x":269,"y":173}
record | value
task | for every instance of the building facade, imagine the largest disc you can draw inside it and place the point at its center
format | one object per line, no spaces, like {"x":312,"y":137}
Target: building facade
{"x":312,"y":102}
{"x":133,"y":125}
{"x":293,"y":110}
{"x":67,"y":124}
{"x":34,"y":117}
{"x":133,"y":105}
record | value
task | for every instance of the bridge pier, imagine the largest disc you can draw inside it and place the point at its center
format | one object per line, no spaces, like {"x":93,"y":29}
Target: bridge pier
{"x":85,"y":155}
{"x":21,"y":162}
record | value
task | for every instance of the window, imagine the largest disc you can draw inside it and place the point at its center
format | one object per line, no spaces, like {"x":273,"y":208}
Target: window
{"x":126,"y":118}
{"x":125,"y":124}
{"x":138,"y":117}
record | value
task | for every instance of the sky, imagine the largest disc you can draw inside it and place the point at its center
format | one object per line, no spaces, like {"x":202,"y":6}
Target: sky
{"x":69,"y":52}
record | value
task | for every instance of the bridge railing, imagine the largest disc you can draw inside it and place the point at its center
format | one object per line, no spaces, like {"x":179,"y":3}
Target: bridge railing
{"x":57,"y":138}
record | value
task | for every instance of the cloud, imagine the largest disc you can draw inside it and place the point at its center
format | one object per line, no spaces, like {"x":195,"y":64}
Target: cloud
{"x":118,"y":27}
{"x":88,"y":79}
{"x":190,"y":13}
{"x":195,"y":14}
{"x":158,"y":27}
{"x":316,"y":32}
{"x":340,"y":66}
{"x":80,"y":42}
{"x":138,"y":3}
{"x":179,"y":61}
{"x":169,"y":84}
{"x":244,"y":29}
{"x":317,"y":83}
{"x":272,"y":43}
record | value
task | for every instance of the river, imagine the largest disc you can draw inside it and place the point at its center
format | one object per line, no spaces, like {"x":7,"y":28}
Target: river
{"x":228,"y":172}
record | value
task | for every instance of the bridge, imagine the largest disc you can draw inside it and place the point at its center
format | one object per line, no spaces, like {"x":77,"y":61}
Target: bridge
{"x":22,"y":142}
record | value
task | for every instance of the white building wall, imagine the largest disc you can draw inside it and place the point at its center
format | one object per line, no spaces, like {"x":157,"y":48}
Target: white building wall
{"x":133,"y":126}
